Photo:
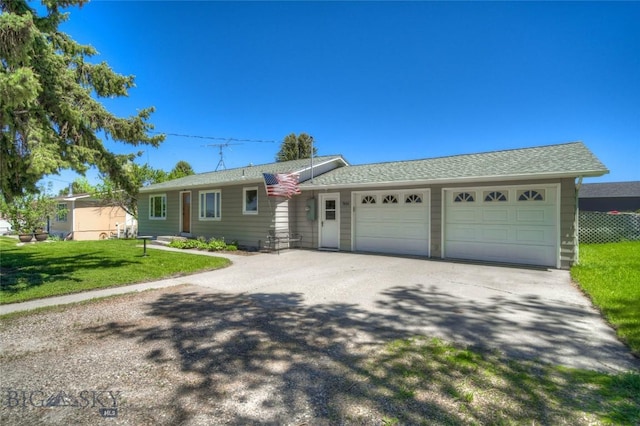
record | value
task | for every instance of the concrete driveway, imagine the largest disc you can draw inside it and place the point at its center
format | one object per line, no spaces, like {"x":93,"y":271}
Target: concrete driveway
{"x":525,"y":313}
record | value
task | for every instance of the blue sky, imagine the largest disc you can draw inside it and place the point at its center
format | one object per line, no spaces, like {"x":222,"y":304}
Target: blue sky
{"x":374,"y":81}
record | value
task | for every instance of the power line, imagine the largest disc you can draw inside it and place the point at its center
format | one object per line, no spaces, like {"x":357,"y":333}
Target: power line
{"x":215,"y":138}
{"x":227,"y":142}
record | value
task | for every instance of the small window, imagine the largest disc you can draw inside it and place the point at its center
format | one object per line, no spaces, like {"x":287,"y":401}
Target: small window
{"x":531,"y":195}
{"x":463,"y":197}
{"x":390,"y":199}
{"x":250,"y":201}
{"x":61,"y":212}
{"x":210,"y":205}
{"x":368,"y":199}
{"x":413,"y":199}
{"x":495,"y":196}
{"x":158,"y":206}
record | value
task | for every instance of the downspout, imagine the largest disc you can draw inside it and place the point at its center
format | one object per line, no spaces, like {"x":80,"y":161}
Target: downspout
{"x":576,"y":225}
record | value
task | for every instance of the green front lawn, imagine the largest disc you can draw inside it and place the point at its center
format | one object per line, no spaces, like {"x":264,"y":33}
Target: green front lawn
{"x":34,"y":271}
{"x":610,"y":275}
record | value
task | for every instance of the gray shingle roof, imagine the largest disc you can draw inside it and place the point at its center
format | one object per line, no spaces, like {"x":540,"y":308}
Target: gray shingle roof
{"x":570,"y":159}
{"x":231,"y":176}
{"x":610,"y":190}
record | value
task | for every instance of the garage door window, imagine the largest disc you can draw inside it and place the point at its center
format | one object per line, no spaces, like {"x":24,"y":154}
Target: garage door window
{"x":413,"y":199}
{"x":492,"y":196}
{"x":369,"y":199}
{"x":463,"y":197}
{"x":390,"y":199}
{"x":531,"y":195}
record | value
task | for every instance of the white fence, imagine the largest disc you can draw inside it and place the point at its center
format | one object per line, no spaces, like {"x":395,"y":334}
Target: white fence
{"x":599,"y":227}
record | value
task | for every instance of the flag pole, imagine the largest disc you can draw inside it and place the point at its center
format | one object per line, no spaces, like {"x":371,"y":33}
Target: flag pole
{"x":312,"y":160}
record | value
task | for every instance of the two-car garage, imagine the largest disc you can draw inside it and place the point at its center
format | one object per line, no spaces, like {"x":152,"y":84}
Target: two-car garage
{"x":512,"y":224}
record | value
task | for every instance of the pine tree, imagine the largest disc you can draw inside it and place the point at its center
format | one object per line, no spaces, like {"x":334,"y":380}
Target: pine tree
{"x":296,"y":147}
{"x":49,"y":115}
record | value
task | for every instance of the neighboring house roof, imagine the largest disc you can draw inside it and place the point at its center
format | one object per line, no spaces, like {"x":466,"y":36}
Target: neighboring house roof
{"x":610,"y":190}
{"x":553,"y":161}
{"x":245,"y":174}
{"x":72,"y":197}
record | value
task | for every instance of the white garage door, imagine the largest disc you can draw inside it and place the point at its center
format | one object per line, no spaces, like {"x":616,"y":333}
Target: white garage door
{"x":394,"y":222}
{"x":502,"y":224}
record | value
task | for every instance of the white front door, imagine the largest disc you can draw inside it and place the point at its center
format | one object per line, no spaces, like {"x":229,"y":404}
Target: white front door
{"x":330,"y":221}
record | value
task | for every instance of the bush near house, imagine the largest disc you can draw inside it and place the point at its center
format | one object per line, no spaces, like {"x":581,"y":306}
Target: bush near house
{"x":201,"y":243}
{"x":610,"y":275}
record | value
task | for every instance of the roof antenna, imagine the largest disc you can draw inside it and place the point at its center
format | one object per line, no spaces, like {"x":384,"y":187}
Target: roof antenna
{"x":220,"y":147}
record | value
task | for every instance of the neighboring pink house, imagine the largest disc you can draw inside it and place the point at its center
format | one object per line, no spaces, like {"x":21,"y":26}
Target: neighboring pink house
{"x":83,"y":217}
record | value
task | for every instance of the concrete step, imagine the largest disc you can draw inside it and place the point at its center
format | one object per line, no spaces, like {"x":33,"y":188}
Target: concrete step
{"x":164,"y":240}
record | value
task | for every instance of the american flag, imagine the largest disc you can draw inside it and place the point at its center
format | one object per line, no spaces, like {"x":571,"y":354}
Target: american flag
{"x":281,"y":184}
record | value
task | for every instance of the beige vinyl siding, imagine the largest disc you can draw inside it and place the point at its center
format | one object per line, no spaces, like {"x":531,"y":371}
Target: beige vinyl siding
{"x":93,"y":220}
{"x":62,"y":229}
{"x":88,"y":219}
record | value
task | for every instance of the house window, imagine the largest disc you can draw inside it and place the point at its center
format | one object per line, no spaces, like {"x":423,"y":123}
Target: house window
{"x":368,"y":199}
{"x":250,"y":201}
{"x":210,"y":205}
{"x":491,"y":196}
{"x":413,"y":199}
{"x":158,"y":206}
{"x":531,"y":195}
{"x":390,"y":199}
{"x":463,"y":197}
{"x":61,"y":212}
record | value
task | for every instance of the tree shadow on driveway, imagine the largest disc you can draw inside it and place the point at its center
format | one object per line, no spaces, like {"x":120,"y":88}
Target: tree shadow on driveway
{"x":272,"y":359}
{"x":521,"y":326}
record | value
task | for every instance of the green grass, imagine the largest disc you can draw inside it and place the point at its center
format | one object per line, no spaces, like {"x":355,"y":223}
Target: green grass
{"x":34,"y":271}
{"x":610,"y":275}
{"x":458,"y":385}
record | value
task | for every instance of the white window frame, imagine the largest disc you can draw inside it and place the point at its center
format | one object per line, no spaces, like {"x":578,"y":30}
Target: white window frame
{"x":217,"y":209}
{"x":163,"y":207}
{"x":244,"y":200}
{"x":62,"y":212}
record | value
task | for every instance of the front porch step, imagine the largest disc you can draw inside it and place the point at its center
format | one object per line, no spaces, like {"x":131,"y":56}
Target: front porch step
{"x":166,"y":239}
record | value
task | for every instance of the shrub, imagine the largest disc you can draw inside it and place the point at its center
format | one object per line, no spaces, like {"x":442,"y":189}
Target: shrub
{"x":201,"y":243}
{"x":216,"y":245}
